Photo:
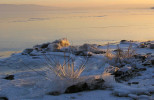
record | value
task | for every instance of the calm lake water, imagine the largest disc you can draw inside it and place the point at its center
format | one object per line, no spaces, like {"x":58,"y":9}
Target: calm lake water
{"x":20,"y":30}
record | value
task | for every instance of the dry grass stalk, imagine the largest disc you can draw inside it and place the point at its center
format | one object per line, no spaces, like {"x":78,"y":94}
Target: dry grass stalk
{"x":108,"y":53}
{"x":66,"y":70}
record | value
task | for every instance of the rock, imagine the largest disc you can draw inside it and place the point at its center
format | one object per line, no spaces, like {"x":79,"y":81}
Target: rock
{"x":112,"y":69}
{"x":99,"y":52}
{"x":146,"y":64}
{"x":77,"y":88}
{"x":27,"y":51}
{"x":55,"y":93}
{"x":45,"y":45}
{"x":125,"y":73}
{"x":129,"y":83}
{"x":96,"y":84}
{"x":152,"y":61}
{"x":141,"y":57}
{"x":88,"y":85}
{"x":142,"y":45}
{"x":91,"y":48}
{"x":135,"y":82}
{"x":123,"y":41}
{"x":4,"y":98}
{"x":151,"y":46}
{"x":83,"y":53}
{"x":9,"y":77}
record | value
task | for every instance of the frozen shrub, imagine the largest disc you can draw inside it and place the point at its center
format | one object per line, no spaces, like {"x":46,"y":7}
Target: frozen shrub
{"x":109,"y":53}
{"x":121,"y":57}
{"x":66,"y":70}
{"x":58,"y":44}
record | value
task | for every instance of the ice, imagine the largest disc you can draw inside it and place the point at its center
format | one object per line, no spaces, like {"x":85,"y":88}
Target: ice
{"x":36,"y":80}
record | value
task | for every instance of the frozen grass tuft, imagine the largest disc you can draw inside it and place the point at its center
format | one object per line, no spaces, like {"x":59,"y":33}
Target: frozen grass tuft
{"x":124,"y":54}
{"x":109,"y":53}
{"x":120,"y":57}
{"x":68,"y":71}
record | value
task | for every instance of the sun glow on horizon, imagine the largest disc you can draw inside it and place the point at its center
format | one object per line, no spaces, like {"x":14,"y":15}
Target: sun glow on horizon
{"x":79,"y":3}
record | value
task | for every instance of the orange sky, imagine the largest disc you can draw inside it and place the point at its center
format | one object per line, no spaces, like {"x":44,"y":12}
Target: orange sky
{"x":79,"y":3}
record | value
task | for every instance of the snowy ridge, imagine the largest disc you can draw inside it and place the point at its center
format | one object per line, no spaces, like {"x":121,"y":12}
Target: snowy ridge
{"x":129,"y":79}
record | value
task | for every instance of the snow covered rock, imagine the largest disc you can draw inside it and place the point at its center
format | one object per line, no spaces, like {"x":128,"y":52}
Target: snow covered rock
{"x":84,"y":86}
{"x":27,"y":51}
{"x":151,"y":46}
{"x":88,"y":49}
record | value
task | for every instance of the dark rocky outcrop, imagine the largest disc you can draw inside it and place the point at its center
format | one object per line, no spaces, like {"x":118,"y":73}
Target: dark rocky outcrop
{"x":4,"y":98}
{"x":151,"y":46}
{"x":152,"y":61}
{"x":27,"y":51}
{"x":9,"y":77}
{"x":85,"y":86}
{"x":77,"y":88}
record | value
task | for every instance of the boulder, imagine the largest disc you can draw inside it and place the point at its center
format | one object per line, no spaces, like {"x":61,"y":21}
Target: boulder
{"x":151,"y":46}
{"x":152,"y":61}
{"x":135,"y":82}
{"x":45,"y":45}
{"x":77,"y":88}
{"x":4,"y":98}
{"x":84,"y":86}
{"x":9,"y":77}
{"x":27,"y":51}
{"x":93,"y":48}
{"x":142,"y":45}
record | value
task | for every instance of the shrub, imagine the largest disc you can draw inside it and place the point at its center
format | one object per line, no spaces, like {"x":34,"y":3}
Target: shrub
{"x":109,"y":53}
{"x":67,"y":70}
{"x":120,"y":57}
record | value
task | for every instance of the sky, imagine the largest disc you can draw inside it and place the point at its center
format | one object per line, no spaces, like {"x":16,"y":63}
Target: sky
{"x":79,"y":3}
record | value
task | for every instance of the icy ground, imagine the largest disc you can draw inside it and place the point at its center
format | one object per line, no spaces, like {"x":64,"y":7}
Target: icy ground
{"x":33,"y":80}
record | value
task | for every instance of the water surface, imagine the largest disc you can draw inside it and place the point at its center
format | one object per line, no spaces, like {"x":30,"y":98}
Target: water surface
{"x":20,"y":30}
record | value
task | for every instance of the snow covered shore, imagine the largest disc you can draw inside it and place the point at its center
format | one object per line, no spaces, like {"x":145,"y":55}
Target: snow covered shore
{"x":127,"y":71}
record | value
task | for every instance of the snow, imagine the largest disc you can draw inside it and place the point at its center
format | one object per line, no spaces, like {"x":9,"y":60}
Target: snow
{"x":34,"y":79}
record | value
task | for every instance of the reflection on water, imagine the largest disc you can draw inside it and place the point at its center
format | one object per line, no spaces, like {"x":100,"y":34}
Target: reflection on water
{"x":19,"y":30}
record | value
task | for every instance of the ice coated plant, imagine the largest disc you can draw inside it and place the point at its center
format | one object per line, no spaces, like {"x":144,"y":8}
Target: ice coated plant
{"x":120,"y":57}
{"x":108,"y":53}
{"x":67,"y":70}
{"x":124,"y":54}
